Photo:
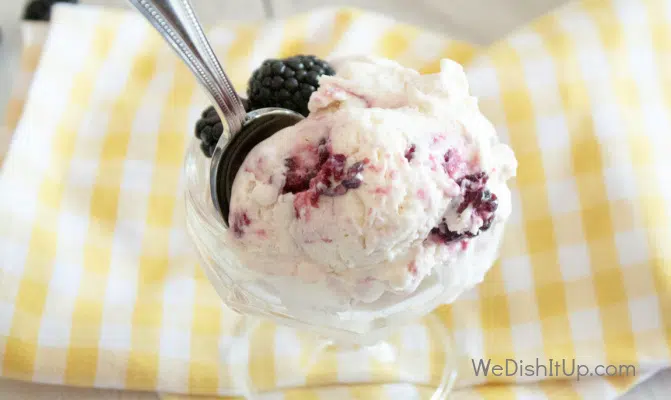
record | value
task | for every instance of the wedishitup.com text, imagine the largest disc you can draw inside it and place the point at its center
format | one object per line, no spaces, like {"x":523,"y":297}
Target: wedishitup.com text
{"x":548,"y":368}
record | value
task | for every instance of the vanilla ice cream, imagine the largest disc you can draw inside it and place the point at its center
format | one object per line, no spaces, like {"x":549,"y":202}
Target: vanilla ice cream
{"x":394,"y":177}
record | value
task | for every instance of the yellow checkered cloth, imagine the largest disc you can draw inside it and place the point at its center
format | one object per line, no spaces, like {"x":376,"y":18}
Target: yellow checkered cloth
{"x":98,"y":281}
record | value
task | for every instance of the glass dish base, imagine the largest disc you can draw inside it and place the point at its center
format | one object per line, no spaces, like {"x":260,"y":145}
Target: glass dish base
{"x":420,"y":354}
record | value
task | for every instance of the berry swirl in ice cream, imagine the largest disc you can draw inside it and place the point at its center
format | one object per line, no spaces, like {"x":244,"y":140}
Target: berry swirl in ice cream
{"x":393,"y":177}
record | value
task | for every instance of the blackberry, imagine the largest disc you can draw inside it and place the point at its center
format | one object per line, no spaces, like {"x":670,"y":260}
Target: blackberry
{"x":483,"y":202}
{"x":209,"y":129}
{"x":328,"y":177}
{"x":287,"y":82}
{"x":40,"y":10}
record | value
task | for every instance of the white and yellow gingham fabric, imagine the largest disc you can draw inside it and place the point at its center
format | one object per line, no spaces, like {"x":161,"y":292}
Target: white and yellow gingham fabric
{"x":98,"y":281}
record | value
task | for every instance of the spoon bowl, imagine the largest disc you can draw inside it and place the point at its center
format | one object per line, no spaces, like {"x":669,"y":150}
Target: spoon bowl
{"x":231,"y":152}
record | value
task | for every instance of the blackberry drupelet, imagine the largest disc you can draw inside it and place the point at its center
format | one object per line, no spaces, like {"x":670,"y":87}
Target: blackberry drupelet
{"x":40,"y":10}
{"x":209,"y":129}
{"x":287,"y":82}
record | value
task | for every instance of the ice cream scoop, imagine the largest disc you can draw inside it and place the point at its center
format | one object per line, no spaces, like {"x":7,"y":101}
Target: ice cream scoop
{"x":393,"y":178}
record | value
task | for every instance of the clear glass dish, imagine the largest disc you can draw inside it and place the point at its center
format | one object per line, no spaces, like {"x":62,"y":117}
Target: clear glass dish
{"x":358,"y":325}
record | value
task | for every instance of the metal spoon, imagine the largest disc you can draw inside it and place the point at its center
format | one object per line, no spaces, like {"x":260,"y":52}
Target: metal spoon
{"x":178,"y":24}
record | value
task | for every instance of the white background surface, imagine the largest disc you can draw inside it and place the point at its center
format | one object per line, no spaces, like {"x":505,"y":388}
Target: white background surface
{"x":477,"y":21}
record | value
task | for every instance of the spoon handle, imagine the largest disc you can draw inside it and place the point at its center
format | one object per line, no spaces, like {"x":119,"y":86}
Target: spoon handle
{"x":177,"y":23}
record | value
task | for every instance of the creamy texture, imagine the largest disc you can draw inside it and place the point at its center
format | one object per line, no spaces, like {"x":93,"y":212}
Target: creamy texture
{"x":393,"y":177}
